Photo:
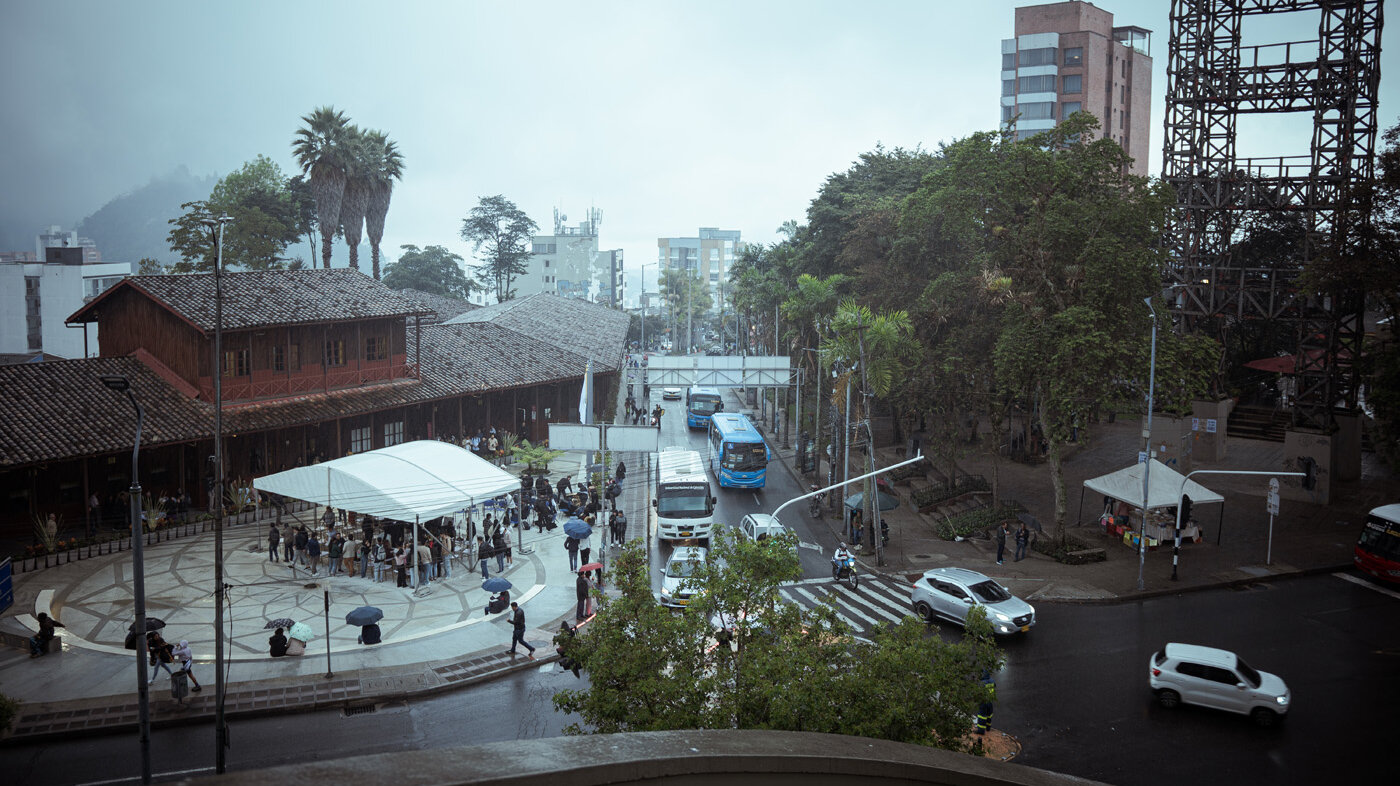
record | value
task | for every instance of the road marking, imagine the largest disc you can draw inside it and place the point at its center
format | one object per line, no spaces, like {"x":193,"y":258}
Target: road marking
{"x":154,"y":775}
{"x":899,"y":609}
{"x":855,"y":598}
{"x":802,"y":544}
{"x":1368,"y":585}
{"x":758,"y":503}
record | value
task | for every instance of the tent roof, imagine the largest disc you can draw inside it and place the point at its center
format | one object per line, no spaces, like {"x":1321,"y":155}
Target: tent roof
{"x":1166,"y":491}
{"x":412,"y":480}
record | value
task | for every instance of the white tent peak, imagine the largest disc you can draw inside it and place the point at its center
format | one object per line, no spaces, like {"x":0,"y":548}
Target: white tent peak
{"x":1165,"y":492}
{"x":410,"y":481}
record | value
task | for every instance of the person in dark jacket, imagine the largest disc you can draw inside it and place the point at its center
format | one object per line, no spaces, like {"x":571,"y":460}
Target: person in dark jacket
{"x":39,"y":643}
{"x":369,"y":634}
{"x":562,"y":641}
{"x":563,"y":486}
{"x":277,"y":644}
{"x":483,"y":554}
{"x":581,"y":588}
{"x":274,"y":540}
{"x":517,"y":622}
{"x":621,"y":472}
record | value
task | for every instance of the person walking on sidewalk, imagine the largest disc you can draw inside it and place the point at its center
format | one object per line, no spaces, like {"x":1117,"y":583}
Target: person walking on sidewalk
{"x":274,"y":541}
{"x":585,"y":547}
{"x":185,"y":656}
{"x":1002,"y":531}
{"x":1023,"y":539}
{"x":517,"y":622}
{"x":162,"y":655}
{"x":571,"y":546}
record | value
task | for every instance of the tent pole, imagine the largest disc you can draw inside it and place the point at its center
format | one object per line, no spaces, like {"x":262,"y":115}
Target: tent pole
{"x":414,"y":572}
{"x":1220,"y":525}
{"x":1079,"y":516}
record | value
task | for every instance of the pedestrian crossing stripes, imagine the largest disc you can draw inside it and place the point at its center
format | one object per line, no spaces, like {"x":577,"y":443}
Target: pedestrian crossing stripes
{"x":877,"y":600}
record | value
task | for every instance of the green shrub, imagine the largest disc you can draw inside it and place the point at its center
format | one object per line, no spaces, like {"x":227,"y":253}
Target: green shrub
{"x":9,"y":710}
{"x":973,"y":521}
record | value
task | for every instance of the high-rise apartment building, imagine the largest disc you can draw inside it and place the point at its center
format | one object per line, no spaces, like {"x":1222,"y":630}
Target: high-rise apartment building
{"x":568,"y":263}
{"x":37,"y":296}
{"x":1068,"y":57}
{"x":708,"y":256}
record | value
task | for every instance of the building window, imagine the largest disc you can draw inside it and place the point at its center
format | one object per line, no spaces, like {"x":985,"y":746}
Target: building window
{"x":376,"y":348}
{"x":1008,"y":61}
{"x":279,"y":358}
{"x":1068,"y":108}
{"x":235,"y":362}
{"x":1008,"y":87}
{"x":1036,"y":84}
{"x":1007,"y":113}
{"x":546,"y":263}
{"x":334,"y":354}
{"x":1074,"y":56}
{"x":1073,"y":83}
{"x":1038,"y":57}
{"x":393,"y":433}
{"x":1040,"y":110}
{"x":360,"y":440}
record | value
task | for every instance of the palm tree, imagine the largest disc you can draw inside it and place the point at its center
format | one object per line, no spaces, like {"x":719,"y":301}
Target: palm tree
{"x":320,"y":149}
{"x":356,"y":200}
{"x":387,"y":166}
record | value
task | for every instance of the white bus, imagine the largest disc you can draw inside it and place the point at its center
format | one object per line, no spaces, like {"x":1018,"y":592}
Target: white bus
{"x":684,"y":504}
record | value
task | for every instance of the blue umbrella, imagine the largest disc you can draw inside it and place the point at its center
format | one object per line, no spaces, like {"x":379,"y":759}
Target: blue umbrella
{"x":577,"y":528}
{"x":496,"y":584}
{"x":364,"y":615}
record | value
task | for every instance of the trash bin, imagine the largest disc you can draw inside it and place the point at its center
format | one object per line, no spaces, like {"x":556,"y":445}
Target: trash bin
{"x":179,"y":686}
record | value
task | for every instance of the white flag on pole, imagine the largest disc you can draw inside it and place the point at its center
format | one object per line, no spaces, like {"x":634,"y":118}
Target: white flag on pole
{"x":585,"y":396}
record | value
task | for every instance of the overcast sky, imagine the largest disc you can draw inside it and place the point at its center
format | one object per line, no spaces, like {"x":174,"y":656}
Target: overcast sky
{"x":667,"y":116}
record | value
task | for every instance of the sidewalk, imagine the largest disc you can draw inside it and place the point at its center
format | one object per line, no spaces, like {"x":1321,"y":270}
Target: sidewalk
{"x":1307,"y":538}
{"x":436,"y":638}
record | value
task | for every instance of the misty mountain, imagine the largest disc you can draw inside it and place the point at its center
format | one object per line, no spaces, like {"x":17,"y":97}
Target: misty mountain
{"x":134,"y":225}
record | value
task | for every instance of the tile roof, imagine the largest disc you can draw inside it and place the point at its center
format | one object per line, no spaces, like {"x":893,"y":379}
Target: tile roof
{"x":593,"y":330}
{"x":259,"y":298}
{"x":61,"y":409}
{"x":443,"y":307}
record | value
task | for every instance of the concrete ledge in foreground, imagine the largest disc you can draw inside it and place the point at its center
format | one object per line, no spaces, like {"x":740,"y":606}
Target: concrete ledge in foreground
{"x":735,"y":758}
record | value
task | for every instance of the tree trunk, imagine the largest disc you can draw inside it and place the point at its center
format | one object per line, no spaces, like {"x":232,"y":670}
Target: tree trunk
{"x":1057,"y":476}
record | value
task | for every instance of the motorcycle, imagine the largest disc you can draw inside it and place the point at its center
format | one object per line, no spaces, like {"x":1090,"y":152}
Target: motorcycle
{"x":845,"y":570}
{"x":814,"y":504}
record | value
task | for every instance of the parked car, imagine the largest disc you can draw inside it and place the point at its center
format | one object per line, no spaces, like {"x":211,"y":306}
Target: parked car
{"x":669,"y":394}
{"x":1210,"y":677}
{"x":948,"y":593}
{"x":760,"y":526}
{"x":677,"y":587}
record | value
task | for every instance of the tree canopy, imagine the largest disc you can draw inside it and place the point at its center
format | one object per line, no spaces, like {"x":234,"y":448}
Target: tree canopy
{"x":504,"y":231}
{"x":433,"y":269}
{"x":267,"y":216}
{"x":652,"y":668}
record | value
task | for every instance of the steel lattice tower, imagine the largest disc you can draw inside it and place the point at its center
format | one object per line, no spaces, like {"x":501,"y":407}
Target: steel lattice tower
{"x":1211,"y":80}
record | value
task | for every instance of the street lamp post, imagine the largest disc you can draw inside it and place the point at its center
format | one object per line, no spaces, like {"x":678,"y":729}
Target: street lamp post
{"x":1147,"y":440}
{"x":216,"y":229}
{"x":121,"y":384}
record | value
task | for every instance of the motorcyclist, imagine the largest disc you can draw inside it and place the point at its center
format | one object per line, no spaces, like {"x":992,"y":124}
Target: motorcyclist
{"x":840,"y":557}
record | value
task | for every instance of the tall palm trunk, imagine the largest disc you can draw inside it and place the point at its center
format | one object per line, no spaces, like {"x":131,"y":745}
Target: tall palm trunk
{"x":352,"y":215}
{"x":328,"y":189}
{"x":379,"y":195}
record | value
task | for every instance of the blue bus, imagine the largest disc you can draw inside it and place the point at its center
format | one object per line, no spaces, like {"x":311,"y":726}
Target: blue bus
{"x":738,"y":454}
{"x":700,"y":404}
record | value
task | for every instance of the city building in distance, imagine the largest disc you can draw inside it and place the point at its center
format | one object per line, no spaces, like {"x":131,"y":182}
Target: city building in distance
{"x":568,"y":263}
{"x":709,"y":256}
{"x":1068,"y":57}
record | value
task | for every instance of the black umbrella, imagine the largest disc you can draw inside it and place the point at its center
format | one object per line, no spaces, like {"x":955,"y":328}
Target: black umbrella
{"x":152,"y":623}
{"x":364,"y":615}
{"x":280,"y":622}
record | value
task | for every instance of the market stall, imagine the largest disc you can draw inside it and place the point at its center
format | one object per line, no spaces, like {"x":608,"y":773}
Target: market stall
{"x":1124,"y":508}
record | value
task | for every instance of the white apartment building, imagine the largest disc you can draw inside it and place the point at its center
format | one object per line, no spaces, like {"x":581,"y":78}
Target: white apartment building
{"x":36,"y":298}
{"x":569,"y":263}
{"x":709,"y":255}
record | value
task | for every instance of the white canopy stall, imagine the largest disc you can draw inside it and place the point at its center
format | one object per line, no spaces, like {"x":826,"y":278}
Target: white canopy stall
{"x":407,"y":482}
{"x":1165,"y":490}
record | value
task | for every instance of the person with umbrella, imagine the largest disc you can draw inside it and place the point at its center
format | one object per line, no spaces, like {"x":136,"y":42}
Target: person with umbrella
{"x":366,"y":617}
{"x":162,"y":655}
{"x":277,"y":644}
{"x":297,"y":637}
{"x":562,"y":645}
{"x":500,"y":594}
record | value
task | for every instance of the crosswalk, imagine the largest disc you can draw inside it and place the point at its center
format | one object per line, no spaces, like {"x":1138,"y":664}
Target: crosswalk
{"x":877,"y":601}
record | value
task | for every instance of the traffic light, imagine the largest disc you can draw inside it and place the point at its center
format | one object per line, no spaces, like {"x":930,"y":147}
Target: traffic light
{"x":1309,"y":468}
{"x":1185,"y":508}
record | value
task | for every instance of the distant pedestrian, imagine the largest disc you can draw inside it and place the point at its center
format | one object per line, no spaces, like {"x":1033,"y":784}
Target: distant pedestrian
{"x":401,"y":567}
{"x":498,"y":548}
{"x":571,"y":546}
{"x":1002,"y":531}
{"x":274,"y":541}
{"x":517,"y":622}
{"x":483,"y":556}
{"x":334,"y":559}
{"x":288,"y":544}
{"x":563,"y":645}
{"x":313,"y":553}
{"x":277,"y":644}
{"x":162,"y":655}
{"x":424,"y":556}
{"x":302,"y":538}
{"x":581,"y":588}
{"x":185,"y":656}
{"x":585,"y":546}
{"x":1023,"y":539}
{"x":621,"y":472}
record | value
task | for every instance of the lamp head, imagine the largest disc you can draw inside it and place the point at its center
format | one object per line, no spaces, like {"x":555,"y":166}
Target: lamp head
{"x":115,"y":382}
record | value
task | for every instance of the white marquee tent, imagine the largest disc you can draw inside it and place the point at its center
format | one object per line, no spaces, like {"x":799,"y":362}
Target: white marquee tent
{"x":408,"y":482}
{"x":1165,"y":487}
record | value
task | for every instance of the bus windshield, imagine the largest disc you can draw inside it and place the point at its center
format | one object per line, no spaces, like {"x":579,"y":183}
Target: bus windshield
{"x":1380,"y":539}
{"x":683,"y":500}
{"x":744,"y":456}
{"x":703,"y":402}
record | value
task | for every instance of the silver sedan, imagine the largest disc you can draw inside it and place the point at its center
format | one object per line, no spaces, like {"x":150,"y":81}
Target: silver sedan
{"x":949,"y":593}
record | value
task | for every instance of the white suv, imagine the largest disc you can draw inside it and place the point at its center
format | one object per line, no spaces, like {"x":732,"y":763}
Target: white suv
{"x":677,"y":583}
{"x":760,"y":526}
{"x":1216,"y":678}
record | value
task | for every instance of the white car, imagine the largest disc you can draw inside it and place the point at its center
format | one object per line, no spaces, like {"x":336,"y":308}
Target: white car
{"x":760,"y":526}
{"x":668,"y":394}
{"x":948,"y":593}
{"x":1210,"y":677}
{"x":677,"y":586}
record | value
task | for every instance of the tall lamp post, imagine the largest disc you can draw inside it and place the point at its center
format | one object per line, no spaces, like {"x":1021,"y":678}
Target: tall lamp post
{"x":1147,"y":439}
{"x":216,"y":230}
{"x":121,"y":384}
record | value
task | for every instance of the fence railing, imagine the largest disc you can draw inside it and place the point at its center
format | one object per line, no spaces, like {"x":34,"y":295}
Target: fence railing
{"x":122,"y":542}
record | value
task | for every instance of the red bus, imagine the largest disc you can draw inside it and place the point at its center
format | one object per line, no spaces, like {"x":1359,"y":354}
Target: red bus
{"x":1378,"y":548}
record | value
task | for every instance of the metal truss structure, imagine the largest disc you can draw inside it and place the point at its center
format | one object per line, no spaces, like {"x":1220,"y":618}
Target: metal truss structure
{"x":1211,"y":80}
{"x":731,"y":371}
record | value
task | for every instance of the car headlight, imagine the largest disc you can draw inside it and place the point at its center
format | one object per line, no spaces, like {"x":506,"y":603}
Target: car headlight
{"x":1282,"y":700}
{"x":1001,"y":616}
